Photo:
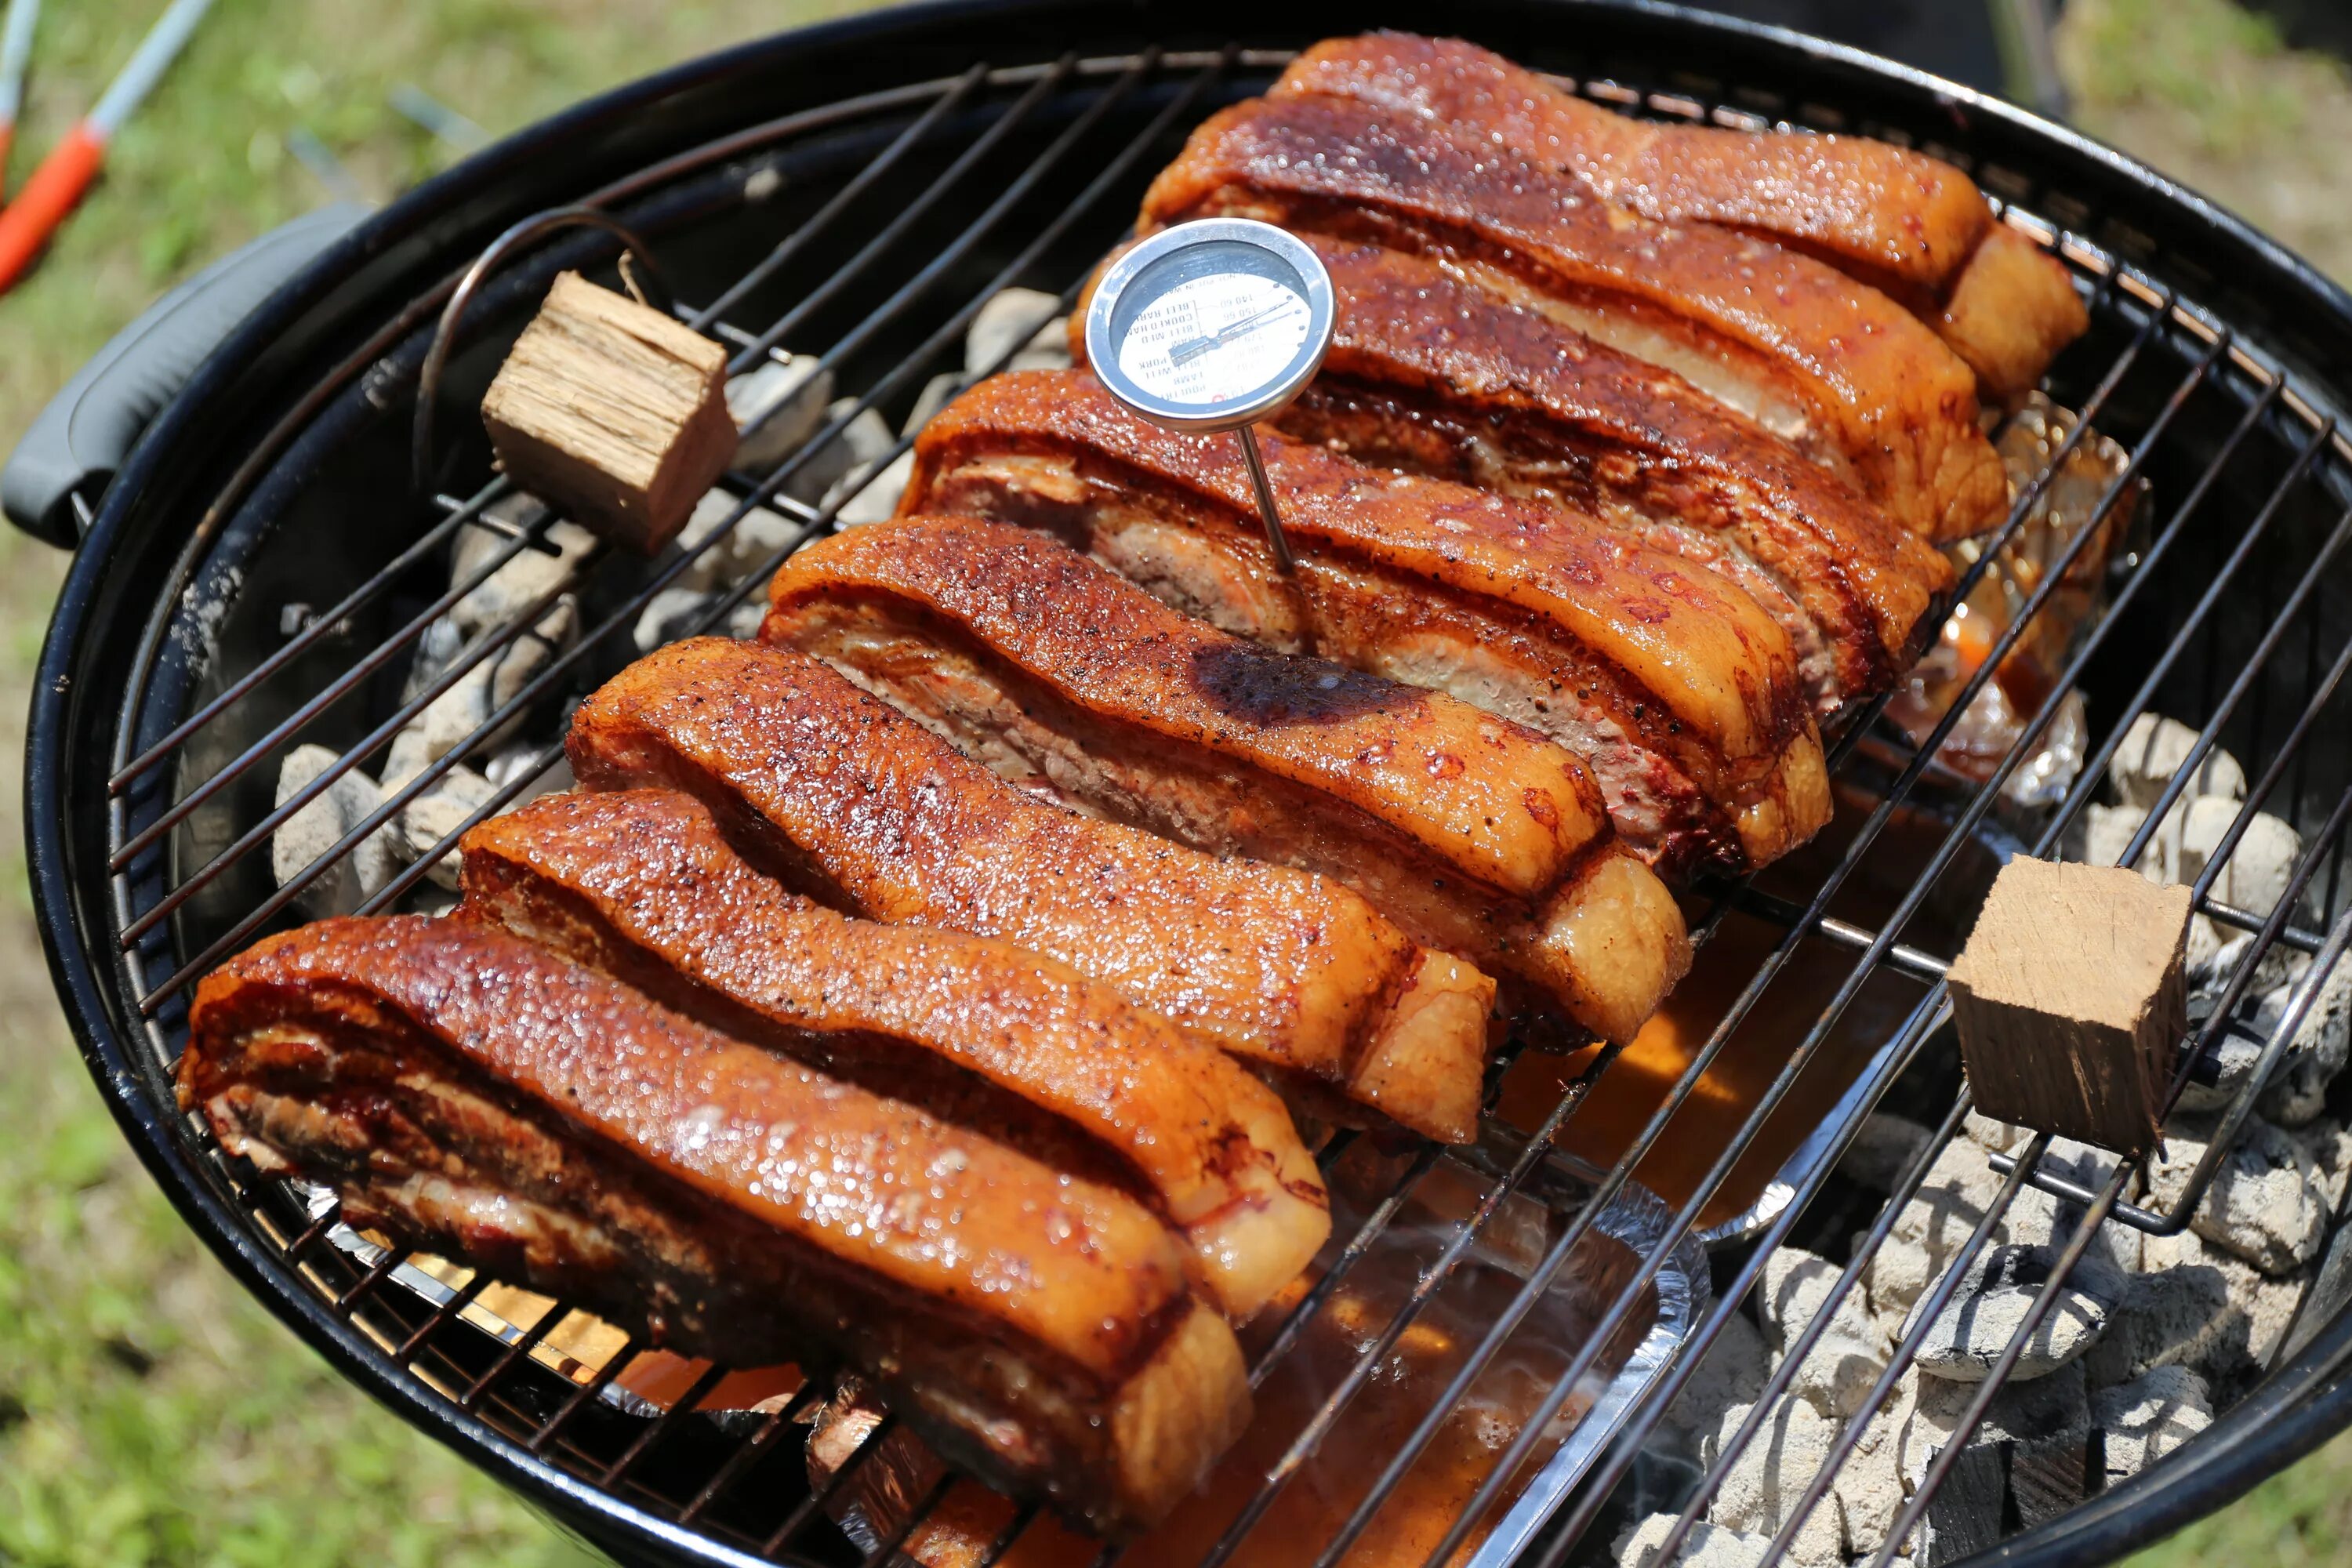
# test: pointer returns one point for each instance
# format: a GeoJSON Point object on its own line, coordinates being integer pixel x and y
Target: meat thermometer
{"type": "Point", "coordinates": [1212, 326]}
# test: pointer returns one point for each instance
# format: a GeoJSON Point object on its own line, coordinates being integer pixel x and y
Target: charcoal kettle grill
{"type": "Point", "coordinates": [260, 568]}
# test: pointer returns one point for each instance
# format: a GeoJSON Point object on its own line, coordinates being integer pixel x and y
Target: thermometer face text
{"type": "Point", "coordinates": [1207, 326]}
{"type": "Point", "coordinates": [1211, 339]}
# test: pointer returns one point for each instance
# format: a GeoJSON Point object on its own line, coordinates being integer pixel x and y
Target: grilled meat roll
{"type": "Point", "coordinates": [1428, 373]}
{"type": "Point", "coordinates": [469, 1092]}
{"type": "Point", "coordinates": [1900, 221]}
{"type": "Point", "coordinates": [1833, 364]}
{"type": "Point", "coordinates": [1474, 834]}
{"type": "Point", "coordinates": [983, 1034]}
{"type": "Point", "coordinates": [853, 803]}
{"type": "Point", "coordinates": [1679, 694]}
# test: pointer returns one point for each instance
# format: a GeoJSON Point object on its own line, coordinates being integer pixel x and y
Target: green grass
{"type": "Point", "coordinates": [150, 1412]}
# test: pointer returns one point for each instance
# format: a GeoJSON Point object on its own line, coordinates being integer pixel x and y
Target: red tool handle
{"type": "Point", "coordinates": [7, 135]}
{"type": "Point", "coordinates": [27, 223]}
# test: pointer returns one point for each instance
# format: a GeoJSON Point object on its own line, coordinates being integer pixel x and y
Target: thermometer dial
{"type": "Point", "coordinates": [1212, 326]}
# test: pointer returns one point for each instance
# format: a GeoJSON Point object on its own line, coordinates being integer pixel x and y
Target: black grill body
{"type": "Point", "coordinates": [279, 477]}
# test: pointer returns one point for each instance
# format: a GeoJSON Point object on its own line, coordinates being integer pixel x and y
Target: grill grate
{"type": "Point", "coordinates": [2221, 431]}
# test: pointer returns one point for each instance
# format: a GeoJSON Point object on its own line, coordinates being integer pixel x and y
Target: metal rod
{"type": "Point", "coordinates": [1268, 513]}
{"type": "Point", "coordinates": [1879, 948]}
{"type": "Point", "coordinates": [823, 218]}
{"type": "Point", "coordinates": [1792, 1360]}
{"type": "Point", "coordinates": [2045, 1300]}
{"type": "Point", "coordinates": [436, 353]}
{"type": "Point", "coordinates": [747, 1453]}
{"type": "Point", "coordinates": [1498, 1473]}
{"type": "Point", "coordinates": [625, 614]}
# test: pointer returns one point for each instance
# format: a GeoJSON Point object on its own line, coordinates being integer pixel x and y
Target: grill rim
{"type": "Point", "coordinates": [2297, 1407]}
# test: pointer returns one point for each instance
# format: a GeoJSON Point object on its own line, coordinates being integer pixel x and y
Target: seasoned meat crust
{"type": "Point", "coordinates": [1678, 693]}
{"type": "Point", "coordinates": [1428, 373]}
{"type": "Point", "coordinates": [855, 803]}
{"type": "Point", "coordinates": [1474, 834]}
{"type": "Point", "coordinates": [1833, 364]}
{"type": "Point", "coordinates": [1910, 225]}
{"type": "Point", "coordinates": [469, 1092]}
{"type": "Point", "coordinates": [640, 884]}
{"type": "Point", "coordinates": [1896, 211]}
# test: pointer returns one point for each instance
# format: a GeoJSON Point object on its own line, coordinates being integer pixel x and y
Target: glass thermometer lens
{"type": "Point", "coordinates": [1211, 338]}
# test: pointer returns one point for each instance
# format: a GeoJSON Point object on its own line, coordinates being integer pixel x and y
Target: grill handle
{"type": "Point", "coordinates": [71, 450]}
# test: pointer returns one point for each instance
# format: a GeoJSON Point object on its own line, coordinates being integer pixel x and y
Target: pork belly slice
{"type": "Point", "coordinates": [1834, 365]}
{"type": "Point", "coordinates": [1903, 222]}
{"type": "Point", "coordinates": [854, 804]}
{"type": "Point", "coordinates": [981, 1034]}
{"type": "Point", "coordinates": [1429, 374]}
{"type": "Point", "coordinates": [471, 1092]}
{"type": "Point", "coordinates": [1679, 694]}
{"type": "Point", "coordinates": [1474, 834]}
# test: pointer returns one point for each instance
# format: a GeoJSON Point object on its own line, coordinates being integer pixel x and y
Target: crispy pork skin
{"type": "Point", "coordinates": [855, 803]}
{"type": "Point", "coordinates": [1901, 221]}
{"type": "Point", "coordinates": [472, 1093]}
{"type": "Point", "coordinates": [2010, 312]}
{"type": "Point", "coordinates": [1833, 364]}
{"type": "Point", "coordinates": [1680, 695]}
{"type": "Point", "coordinates": [1429, 374]}
{"type": "Point", "coordinates": [640, 884]}
{"type": "Point", "coordinates": [1474, 834]}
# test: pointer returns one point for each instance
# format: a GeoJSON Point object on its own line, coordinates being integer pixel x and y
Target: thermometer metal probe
{"type": "Point", "coordinates": [1210, 327]}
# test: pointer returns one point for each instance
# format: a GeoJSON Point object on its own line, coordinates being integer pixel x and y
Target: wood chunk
{"type": "Point", "coordinates": [613, 412]}
{"type": "Point", "coordinates": [2070, 1002]}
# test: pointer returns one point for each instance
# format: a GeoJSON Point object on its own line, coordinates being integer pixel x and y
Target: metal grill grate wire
{"type": "Point", "coordinates": [434, 1338]}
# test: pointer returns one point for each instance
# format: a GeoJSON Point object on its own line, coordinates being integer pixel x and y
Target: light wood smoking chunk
{"type": "Point", "coordinates": [2070, 1002]}
{"type": "Point", "coordinates": [613, 412]}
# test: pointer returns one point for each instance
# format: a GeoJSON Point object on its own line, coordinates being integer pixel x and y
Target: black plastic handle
{"type": "Point", "coordinates": [73, 447]}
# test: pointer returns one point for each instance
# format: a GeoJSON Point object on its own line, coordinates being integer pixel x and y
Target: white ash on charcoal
{"type": "Point", "coordinates": [2297, 1091]}
{"type": "Point", "coordinates": [1960, 1187]}
{"type": "Point", "coordinates": [2139, 1422]}
{"type": "Point", "coordinates": [1869, 1486]}
{"type": "Point", "coordinates": [437, 813]}
{"type": "Point", "coordinates": [2197, 1306]}
{"type": "Point", "coordinates": [1838, 1371]}
{"type": "Point", "coordinates": [754, 540]}
{"type": "Point", "coordinates": [777, 405]}
{"type": "Point", "coordinates": [1706, 1546]}
{"type": "Point", "coordinates": [314, 830]}
{"type": "Point", "coordinates": [676, 613]}
{"type": "Point", "coordinates": [863, 499]}
{"type": "Point", "coordinates": [453, 719]}
{"type": "Point", "coordinates": [1999, 1137]}
{"type": "Point", "coordinates": [1767, 1477]}
{"type": "Point", "coordinates": [1998, 1291]}
{"type": "Point", "coordinates": [670, 616]}
{"type": "Point", "coordinates": [1733, 1373]}
{"type": "Point", "coordinates": [869, 491]}
{"type": "Point", "coordinates": [514, 761]}
{"type": "Point", "coordinates": [937, 393]}
{"type": "Point", "coordinates": [2153, 749]}
{"type": "Point", "coordinates": [1000, 324]}
{"type": "Point", "coordinates": [2267, 1202]}
{"type": "Point", "coordinates": [1882, 1148]}
{"type": "Point", "coordinates": [521, 581]}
